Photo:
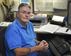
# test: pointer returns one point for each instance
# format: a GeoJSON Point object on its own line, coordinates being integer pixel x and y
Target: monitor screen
{"type": "Point", "coordinates": [69, 15]}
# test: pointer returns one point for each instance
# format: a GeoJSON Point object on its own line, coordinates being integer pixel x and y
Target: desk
{"type": "Point", "coordinates": [63, 34]}
{"type": "Point", "coordinates": [41, 35]}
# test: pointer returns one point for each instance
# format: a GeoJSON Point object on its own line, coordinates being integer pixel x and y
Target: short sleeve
{"type": "Point", "coordinates": [12, 38]}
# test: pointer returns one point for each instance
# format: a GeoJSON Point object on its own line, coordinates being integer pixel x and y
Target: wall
{"type": "Point", "coordinates": [60, 7]}
{"type": "Point", "coordinates": [17, 2]}
{"type": "Point", "coordinates": [1, 13]}
{"type": "Point", "coordinates": [44, 5]}
{"type": "Point", "coordinates": [0, 1]}
{"type": "Point", "coordinates": [60, 4]}
{"type": "Point", "coordinates": [8, 2]}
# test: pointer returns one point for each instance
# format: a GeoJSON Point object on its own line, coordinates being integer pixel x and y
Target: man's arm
{"type": "Point", "coordinates": [26, 51]}
{"type": "Point", "coordinates": [21, 51]}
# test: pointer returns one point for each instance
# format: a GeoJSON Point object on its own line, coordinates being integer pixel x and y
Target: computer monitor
{"type": "Point", "coordinates": [69, 15]}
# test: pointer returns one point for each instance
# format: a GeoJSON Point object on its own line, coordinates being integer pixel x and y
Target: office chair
{"type": "Point", "coordinates": [2, 46]}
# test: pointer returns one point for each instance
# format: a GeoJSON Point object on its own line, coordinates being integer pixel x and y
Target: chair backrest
{"type": "Point", "coordinates": [2, 46]}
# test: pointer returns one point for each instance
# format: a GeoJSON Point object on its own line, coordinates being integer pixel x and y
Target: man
{"type": "Point", "coordinates": [20, 36]}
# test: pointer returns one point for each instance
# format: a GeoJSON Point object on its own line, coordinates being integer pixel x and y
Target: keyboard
{"type": "Point", "coordinates": [61, 45]}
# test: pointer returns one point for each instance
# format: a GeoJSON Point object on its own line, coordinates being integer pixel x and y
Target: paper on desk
{"type": "Point", "coordinates": [58, 18]}
{"type": "Point", "coordinates": [63, 30]}
{"type": "Point", "coordinates": [69, 31]}
{"type": "Point", "coordinates": [5, 23]}
{"type": "Point", "coordinates": [49, 28]}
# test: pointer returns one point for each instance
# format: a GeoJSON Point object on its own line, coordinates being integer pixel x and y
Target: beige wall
{"type": "Point", "coordinates": [1, 1]}
{"type": "Point", "coordinates": [60, 4]}
{"type": "Point", "coordinates": [8, 3]}
{"type": "Point", "coordinates": [1, 13]}
{"type": "Point", "coordinates": [15, 7]}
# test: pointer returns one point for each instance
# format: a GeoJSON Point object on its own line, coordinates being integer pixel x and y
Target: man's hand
{"type": "Point", "coordinates": [46, 45]}
{"type": "Point", "coordinates": [43, 45]}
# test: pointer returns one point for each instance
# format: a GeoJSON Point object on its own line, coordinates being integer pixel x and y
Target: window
{"type": "Point", "coordinates": [43, 5]}
{"type": "Point", "coordinates": [24, 1]}
{"type": "Point", "coordinates": [49, 5]}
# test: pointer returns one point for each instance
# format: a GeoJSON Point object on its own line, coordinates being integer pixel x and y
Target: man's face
{"type": "Point", "coordinates": [24, 14]}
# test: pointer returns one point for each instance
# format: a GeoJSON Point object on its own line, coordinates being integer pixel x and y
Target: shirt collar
{"type": "Point", "coordinates": [19, 24]}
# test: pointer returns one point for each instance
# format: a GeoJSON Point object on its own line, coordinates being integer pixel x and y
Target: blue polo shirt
{"type": "Point", "coordinates": [18, 36]}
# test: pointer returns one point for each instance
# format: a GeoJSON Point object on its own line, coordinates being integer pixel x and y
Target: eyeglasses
{"type": "Point", "coordinates": [25, 12]}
